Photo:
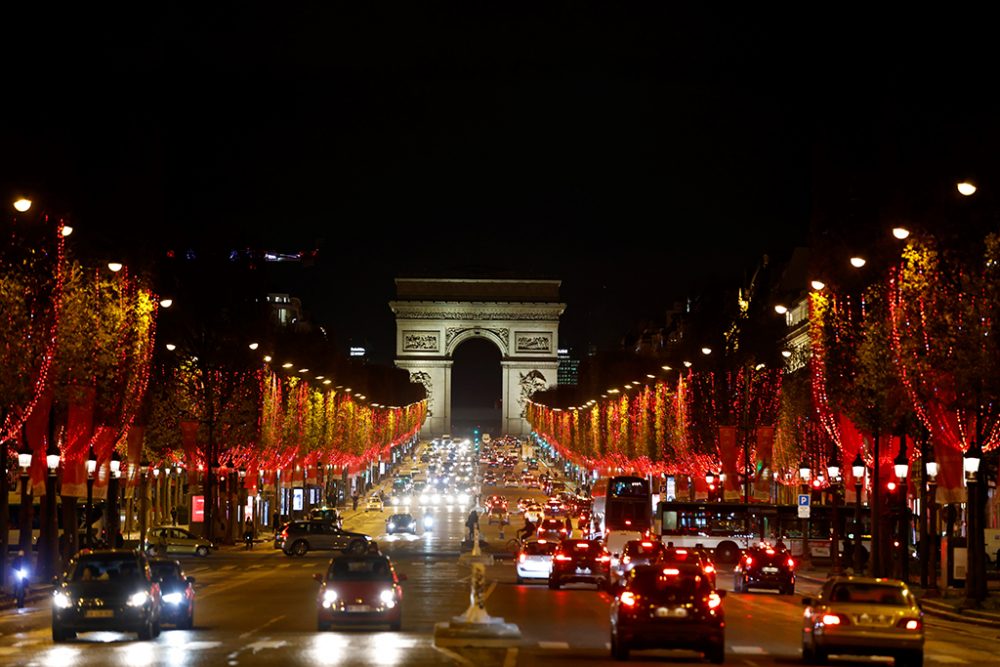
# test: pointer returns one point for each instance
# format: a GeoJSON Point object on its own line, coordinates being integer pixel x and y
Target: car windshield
{"type": "Point", "coordinates": [165, 571]}
{"type": "Point", "coordinates": [869, 594]}
{"type": "Point", "coordinates": [659, 581]}
{"type": "Point", "coordinates": [401, 518]}
{"type": "Point", "coordinates": [359, 569]}
{"type": "Point", "coordinates": [104, 568]}
{"type": "Point", "coordinates": [539, 548]}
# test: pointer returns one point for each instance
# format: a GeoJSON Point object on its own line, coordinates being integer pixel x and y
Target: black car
{"type": "Point", "coordinates": [586, 561]}
{"type": "Point", "coordinates": [401, 523]}
{"type": "Point", "coordinates": [300, 537]}
{"type": "Point", "coordinates": [765, 566]}
{"type": "Point", "coordinates": [176, 593]}
{"type": "Point", "coordinates": [111, 589]}
{"type": "Point", "coordinates": [668, 607]}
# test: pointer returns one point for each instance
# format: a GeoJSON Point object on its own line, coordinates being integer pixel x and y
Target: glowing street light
{"type": "Point", "coordinates": [171, 347]}
{"type": "Point", "coordinates": [786, 353]}
{"type": "Point", "coordinates": [166, 303]}
{"type": "Point", "coordinates": [706, 351]}
{"type": "Point", "coordinates": [666, 368]}
{"type": "Point", "coordinates": [858, 262]}
{"type": "Point", "coordinates": [817, 285]}
{"type": "Point", "coordinates": [966, 188]}
{"type": "Point", "coordinates": [115, 267]}
{"type": "Point", "coordinates": [253, 346]}
{"type": "Point", "coordinates": [687, 364]}
{"type": "Point", "coordinates": [900, 232]}
{"type": "Point", "coordinates": [22, 204]}
{"type": "Point", "coordinates": [66, 230]}
{"type": "Point", "coordinates": [287, 364]}
{"type": "Point", "coordinates": [267, 358]}
{"type": "Point", "coordinates": [781, 309]}
{"type": "Point", "coordinates": [303, 370]}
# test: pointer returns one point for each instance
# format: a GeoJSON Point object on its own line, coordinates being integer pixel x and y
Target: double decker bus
{"type": "Point", "coordinates": [622, 510]}
{"type": "Point", "coordinates": [729, 527]}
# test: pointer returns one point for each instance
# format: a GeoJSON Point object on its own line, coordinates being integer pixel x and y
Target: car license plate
{"type": "Point", "coordinates": [770, 570]}
{"type": "Point", "coordinates": [666, 612]}
{"type": "Point", "coordinates": [583, 570]}
{"type": "Point", "coordinates": [100, 613]}
{"type": "Point", "coordinates": [358, 608]}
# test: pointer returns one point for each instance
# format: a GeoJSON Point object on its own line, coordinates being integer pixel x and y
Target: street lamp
{"type": "Point", "coordinates": [858, 470]}
{"type": "Point", "coordinates": [113, 516]}
{"type": "Point", "coordinates": [901, 466]}
{"type": "Point", "coordinates": [975, 571]}
{"type": "Point", "coordinates": [143, 501]}
{"type": "Point", "coordinates": [89, 511]}
{"type": "Point", "coordinates": [24, 460]}
{"type": "Point", "coordinates": [833, 470]}
{"type": "Point", "coordinates": [930, 551]}
{"type": "Point", "coordinates": [50, 544]}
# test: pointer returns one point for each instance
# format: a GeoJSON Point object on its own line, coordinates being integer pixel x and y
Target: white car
{"type": "Point", "coordinates": [534, 560]}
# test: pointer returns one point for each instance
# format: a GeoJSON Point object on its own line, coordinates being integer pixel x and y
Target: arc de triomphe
{"type": "Point", "coordinates": [520, 317]}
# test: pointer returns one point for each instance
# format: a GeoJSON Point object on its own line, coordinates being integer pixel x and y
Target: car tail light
{"type": "Point", "coordinates": [627, 598]}
{"type": "Point", "coordinates": [542, 541]}
{"type": "Point", "coordinates": [709, 569]}
{"type": "Point", "coordinates": [521, 557]}
{"type": "Point", "coordinates": [671, 571]}
{"type": "Point", "coordinates": [648, 545]}
{"type": "Point", "coordinates": [582, 545]}
{"type": "Point", "coordinates": [834, 619]}
{"type": "Point", "coordinates": [714, 600]}
{"type": "Point", "coordinates": [910, 624]}
{"type": "Point", "coordinates": [628, 522]}
{"type": "Point", "coordinates": [791, 562]}
{"type": "Point", "coordinates": [606, 558]}
{"type": "Point", "coordinates": [770, 552]}
{"type": "Point", "coordinates": [749, 560]}
{"type": "Point", "coordinates": [562, 557]}
{"type": "Point", "coordinates": [626, 559]}
{"type": "Point", "coordinates": [681, 552]}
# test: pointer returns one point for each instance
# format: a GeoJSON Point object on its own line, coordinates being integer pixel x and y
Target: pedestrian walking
{"type": "Point", "coordinates": [248, 533]}
{"type": "Point", "coordinates": [472, 523]}
{"type": "Point", "coordinates": [354, 500]}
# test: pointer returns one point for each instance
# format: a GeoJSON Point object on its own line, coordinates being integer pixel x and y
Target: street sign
{"type": "Point", "coordinates": [804, 499]}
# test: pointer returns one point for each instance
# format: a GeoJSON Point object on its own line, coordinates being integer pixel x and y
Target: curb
{"type": "Point", "coordinates": [972, 616]}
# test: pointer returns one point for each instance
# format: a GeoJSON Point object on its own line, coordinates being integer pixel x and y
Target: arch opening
{"type": "Point", "coordinates": [476, 387]}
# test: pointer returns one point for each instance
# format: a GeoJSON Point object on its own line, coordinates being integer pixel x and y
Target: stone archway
{"type": "Point", "coordinates": [520, 317]}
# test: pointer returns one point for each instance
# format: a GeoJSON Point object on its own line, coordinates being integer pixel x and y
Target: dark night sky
{"type": "Point", "coordinates": [639, 157]}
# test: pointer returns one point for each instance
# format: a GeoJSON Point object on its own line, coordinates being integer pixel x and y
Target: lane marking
{"type": "Point", "coordinates": [228, 567]}
{"type": "Point", "coordinates": [948, 659]}
{"type": "Point", "coordinates": [258, 629]}
{"type": "Point", "coordinates": [748, 650]}
{"type": "Point", "coordinates": [558, 646]}
{"type": "Point", "coordinates": [462, 660]}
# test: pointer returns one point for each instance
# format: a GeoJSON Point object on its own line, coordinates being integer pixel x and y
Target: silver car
{"type": "Point", "coordinates": [863, 616]}
{"type": "Point", "coordinates": [300, 537]}
{"type": "Point", "coordinates": [173, 540]}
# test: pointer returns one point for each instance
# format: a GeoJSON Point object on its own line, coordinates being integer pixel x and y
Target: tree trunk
{"type": "Point", "coordinates": [876, 512]}
{"type": "Point", "coordinates": [70, 522]}
{"type": "Point", "coordinates": [4, 508]}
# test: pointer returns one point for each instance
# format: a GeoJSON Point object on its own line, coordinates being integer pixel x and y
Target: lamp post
{"type": "Point", "coordinates": [858, 470]}
{"type": "Point", "coordinates": [804, 474]}
{"type": "Point", "coordinates": [24, 461]}
{"type": "Point", "coordinates": [901, 466]}
{"type": "Point", "coordinates": [143, 502]}
{"type": "Point", "coordinates": [89, 509]}
{"type": "Point", "coordinates": [833, 470]}
{"type": "Point", "coordinates": [974, 579]}
{"type": "Point", "coordinates": [931, 551]}
{"type": "Point", "coordinates": [113, 515]}
{"type": "Point", "coordinates": [48, 566]}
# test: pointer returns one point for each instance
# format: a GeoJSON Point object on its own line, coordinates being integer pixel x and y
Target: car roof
{"type": "Point", "coordinates": [873, 581]}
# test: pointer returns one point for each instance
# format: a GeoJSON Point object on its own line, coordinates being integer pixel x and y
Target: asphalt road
{"type": "Point", "coordinates": [258, 608]}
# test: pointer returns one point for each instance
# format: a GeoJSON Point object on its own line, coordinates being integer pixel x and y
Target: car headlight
{"type": "Point", "coordinates": [173, 598]}
{"type": "Point", "coordinates": [423, 498]}
{"type": "Point", "coordinates": [406, 500]}
{"type": "Point", "coordinates": [392, 525]}
{"type": "Point", "coordinates": [329, 597]}
{"type": "Point", "coordinates": [138, 599]}
{"type": "Point", "coordinates": [61, 600]}
{"type": "Point", "coordinates": [463, 498]}
{"type": "Point", "coordinates": [437, 498]}
{"type": "Point", "coordinates": [388, 598]}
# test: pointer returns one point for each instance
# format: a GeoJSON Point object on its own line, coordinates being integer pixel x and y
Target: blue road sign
{"type": "Point", "coordinates": [804, 499]}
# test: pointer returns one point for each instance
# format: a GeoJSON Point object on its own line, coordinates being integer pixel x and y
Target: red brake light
{"type": "Point", "coordinates": [714, 600]}
{"type": "Point", "coordinates": [582, 545]}
{"type": "Point", "coordinates": [681, 552]}
{"type": "Point", "coordinates": [671, 571]}
{"type": "Point", "coordinates": [831, 619]}
{"type": "Point", "coordinates": [749, 560]}
{"type": "Point", "coordinates": [909, 623]}
{"type": "Point", "coordinates": [605, 558]}
{"type": "Point", "coordinates": [628, 522]}
{"type": "Point", "coordinates": [770, 552]}
{"type": "Point", "coordinates": [626, 559]}
{"type": "Point", "coordinates": [521, 557]}
{"type": "Point", "coordinates": [627, 598]}
{"type": "Point", "coordinates": [542, 541]}
{"type": "Point", "coordinates": [647, 544]}
{"type": "Point", "coordinates": [709, 569]}
{"type": "Point", "coordinates": [791, 562]}
{"type": "Point", "coordinates": [562, 557]}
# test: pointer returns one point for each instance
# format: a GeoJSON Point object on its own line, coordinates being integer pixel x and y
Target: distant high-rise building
{"type": "Point", "coordinates": [568, 372]}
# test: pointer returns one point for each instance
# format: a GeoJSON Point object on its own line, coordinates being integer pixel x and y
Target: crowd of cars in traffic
{"type": "Point", "coordinates": [661, 596]}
